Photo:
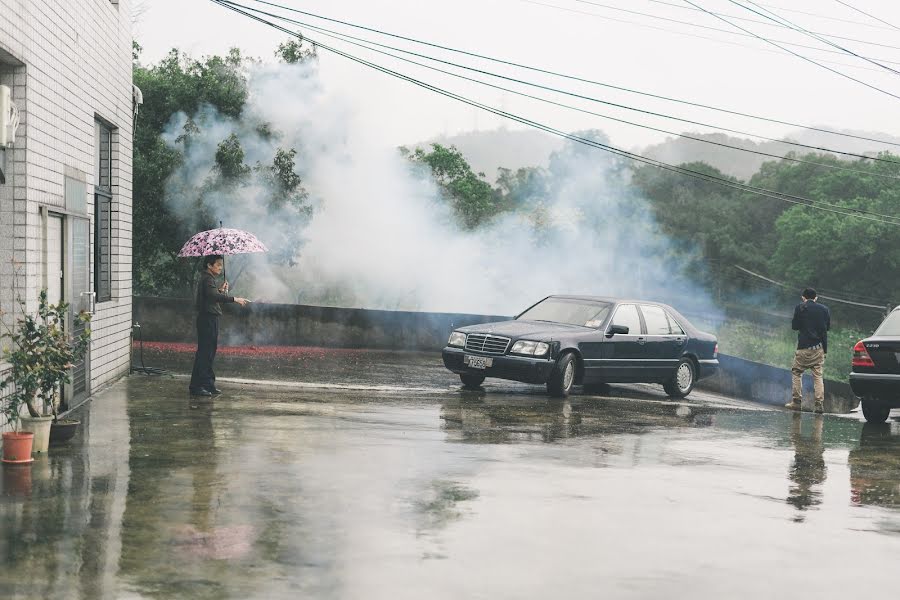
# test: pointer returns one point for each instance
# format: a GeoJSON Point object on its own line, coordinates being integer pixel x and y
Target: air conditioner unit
{"type": "Point", "coordinates": [9, 117]}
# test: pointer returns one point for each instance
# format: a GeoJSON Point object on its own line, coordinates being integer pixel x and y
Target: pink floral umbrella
{"type": "Point", "coordinates": [222, 241]}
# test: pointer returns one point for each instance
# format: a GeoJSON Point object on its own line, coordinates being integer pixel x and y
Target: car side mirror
{"type": "Point", "coordinates": [614, 329]}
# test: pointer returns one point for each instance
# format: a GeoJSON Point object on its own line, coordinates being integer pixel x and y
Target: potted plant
{"type": "Point", "coordinates": [41, 355]}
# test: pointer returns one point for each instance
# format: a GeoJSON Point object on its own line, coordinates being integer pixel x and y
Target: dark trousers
{"type": "Point", "coordinates": [203, 377]}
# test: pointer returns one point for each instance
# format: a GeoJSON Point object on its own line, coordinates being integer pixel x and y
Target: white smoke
{"type": "Point", "coordinates": [381, 237]}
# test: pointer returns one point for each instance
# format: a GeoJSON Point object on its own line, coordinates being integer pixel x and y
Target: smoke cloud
{"type": "Point", "coordinates": [380, 236]}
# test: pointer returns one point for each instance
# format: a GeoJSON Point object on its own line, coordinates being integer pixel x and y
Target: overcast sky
{"type": "Point", "coordinates": [589, 39]}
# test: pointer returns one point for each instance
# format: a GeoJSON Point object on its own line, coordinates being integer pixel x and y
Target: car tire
{"type": "Point", "coordinates": [563, 377]}
{"type": "Point", "coordinates": [875, 410]}
{"type": "Point", "coordinates": [683, 379]}
{"type": "Point", "coordinates": [471, 381]}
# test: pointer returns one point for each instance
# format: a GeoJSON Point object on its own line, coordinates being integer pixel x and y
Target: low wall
{"type": "Point", "coordinates": [172, 320]}
{"type": "Point", "coordinates": [748, 380]}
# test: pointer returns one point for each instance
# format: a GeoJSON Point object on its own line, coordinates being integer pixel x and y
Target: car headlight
{"type": "Point", "coordinates": [457, 338]}
{"type": "Point", "coordinates": [530, 348]}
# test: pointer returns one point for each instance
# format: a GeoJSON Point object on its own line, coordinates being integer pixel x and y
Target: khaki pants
{"type": "Point", "coordinates": [812, 360]}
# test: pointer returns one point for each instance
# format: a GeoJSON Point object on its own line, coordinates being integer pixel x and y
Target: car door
{"type": "Point", "coordinates": [663, 348]}
{"type": "Point", "coordinates": [624, 353]}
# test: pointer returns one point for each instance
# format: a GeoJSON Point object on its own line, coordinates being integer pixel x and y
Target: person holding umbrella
{"type": "Point", "coordinates": [212, 245]}
{"type": "Point", "coordinates": [208, 304]}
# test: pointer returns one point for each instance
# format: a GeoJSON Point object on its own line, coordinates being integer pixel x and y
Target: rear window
{"type": "Point", "coordinates": [655, 318]}
{"type": "Point", "coordinates": [890, 326]}
{"type": "Point", "coordinates": [571, 312]}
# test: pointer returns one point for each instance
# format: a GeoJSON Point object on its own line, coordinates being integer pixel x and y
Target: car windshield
{"type": "Point", "coordinates": [890, 326]}
{"type": "Point", "coordinates": [585, 313]}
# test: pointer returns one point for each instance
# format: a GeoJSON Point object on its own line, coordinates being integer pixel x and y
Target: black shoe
{"type": "Point", "coordinates": [214, 391]}
{"type": "Point", "coordinates": [200, 393]}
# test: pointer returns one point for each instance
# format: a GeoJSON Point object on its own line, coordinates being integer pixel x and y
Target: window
{"type": "Point", "coordinates": [674, 326]}
{"type": "Point", "coordinates": [564, 310]}
{"type": "Point", "coordinates": [890, 326]}
{"type": "Point", "coordinates": [103, 212]}
{"type": "Point", "coordinates": [627, 315]}
{"type": "Point", "coordinates": [655, 318]}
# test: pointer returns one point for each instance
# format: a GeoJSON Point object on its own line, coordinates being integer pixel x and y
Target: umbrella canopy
{"type": "Point", "coordinates": [222, 241]}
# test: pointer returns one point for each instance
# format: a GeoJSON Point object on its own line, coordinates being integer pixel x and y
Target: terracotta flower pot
{"type": "Point", "coordinates": [17, 447]}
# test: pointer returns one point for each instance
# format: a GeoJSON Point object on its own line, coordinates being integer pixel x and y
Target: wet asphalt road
{"type": "Point", "coordinates": [373, 475]}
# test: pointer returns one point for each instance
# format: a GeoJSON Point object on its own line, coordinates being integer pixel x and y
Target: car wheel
{"type": "Point", "coordinates": [875, 410]}
{"type": "Point", "coordinates": [563, 377]}
{"type": "Point", "coordinates": [471, 381]}
{"type": "Point", "coordinates": [682, 381]}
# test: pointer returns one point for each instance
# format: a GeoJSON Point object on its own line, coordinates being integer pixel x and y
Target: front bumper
{"type": "Point", "coordinates": [881, 385]}
{"type": "Point", "coordinates": [516, 368]}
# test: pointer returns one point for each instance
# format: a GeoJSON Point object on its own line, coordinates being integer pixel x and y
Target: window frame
{"type": "Point", "coordinates": [637, 311]}
{"type": "Point", "coordinates": [647, 321]}
{"type": "Point", "coordinates": [104, 134]}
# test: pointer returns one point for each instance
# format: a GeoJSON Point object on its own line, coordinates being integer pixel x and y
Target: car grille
{"type": "Point", "coordinates": [487, 344]}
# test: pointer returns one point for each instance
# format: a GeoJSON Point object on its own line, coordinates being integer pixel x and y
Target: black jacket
{"type": "Point", "coordinates": [209, 296]}
{"type": "Point", "coordinates": [812, 322]}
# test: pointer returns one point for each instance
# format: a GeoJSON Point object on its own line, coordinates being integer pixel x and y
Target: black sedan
{"type": "Point", "coordinates": [875, 373]}
{"type": "Point", "coordinates": [566, 340]}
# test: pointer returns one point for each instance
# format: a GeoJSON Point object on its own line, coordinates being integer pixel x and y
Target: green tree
{"type": "Point", "coordinates": [473, 200]}
{"type": "Point", "coordinates": [293, 51]}
{"type": "Point", "coordinates": [181, 84]}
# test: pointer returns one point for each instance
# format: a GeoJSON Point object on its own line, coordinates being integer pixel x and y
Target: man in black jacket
{"type": "Point", "coordinates": [209, 309]}
{"type": "Point", "coordinates": [811, 322]}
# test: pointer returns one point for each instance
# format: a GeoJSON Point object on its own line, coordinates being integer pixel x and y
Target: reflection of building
{"type": "Point", "coordinates": [61, 518]}
{"type": "Point", "coordinates": [875, 466]}
{"type": "Point", "coordinates": [807, 472]}
{"type": "Point", "coordinates": [65, 189]}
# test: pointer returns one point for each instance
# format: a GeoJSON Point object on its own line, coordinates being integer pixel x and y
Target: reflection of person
{"type": "Point", "coordinates": [209, 309]}
{"type": "Point", "coordinates": [811, 322]}
{"type": "Point", "coordinates": [808, 469]}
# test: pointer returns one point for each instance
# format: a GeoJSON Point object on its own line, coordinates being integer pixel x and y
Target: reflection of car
{"type": "Point", "coordinates": [875, 467]}
{"type": "Point", "coordinates": [875, 374]}
{"type": "Point", "coordinates": [566, 340]}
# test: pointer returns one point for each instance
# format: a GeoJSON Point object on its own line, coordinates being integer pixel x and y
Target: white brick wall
{"type": "Point", "coordinates": [68, 62]}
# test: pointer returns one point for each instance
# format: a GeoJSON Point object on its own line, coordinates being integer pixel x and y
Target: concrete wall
{"type": "Point", "coordinates": [748, 380]}
{"type": "Point", "coordinates": [171, 320]}
{"type": "Point", "coordinates": [68, 63]}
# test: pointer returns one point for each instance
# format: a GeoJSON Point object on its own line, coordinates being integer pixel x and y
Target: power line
{"type": "Point", "coordinates": [833, 299]}
{"type": "Point", "coordinates": [611, 86]}
{"type": "Point", "coordinates": [701, 37]}
{"type": "Point", "coordinates": [790, 198]}
{"type": "Point", "coordinates": [345, 37]}
{"type": "Point", "coordinates": [807, 59]}
{"type": "Point", "coordinates": [779, 19]}
{"type": "Point", "coordinates": [729, 32]}
{"type": "Point", "coordinates": [871, 16]}
{"type": "Point", "coordinates": [860, 23]}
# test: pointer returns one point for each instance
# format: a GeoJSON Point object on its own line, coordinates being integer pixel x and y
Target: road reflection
{"type": "Point", "coordinates": [489, 420]}
{"type": "Point", "coordinates": [875, 466]}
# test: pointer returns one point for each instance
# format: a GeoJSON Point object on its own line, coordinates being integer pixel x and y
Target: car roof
{"type": "Point", "coordinates": [609, 299]}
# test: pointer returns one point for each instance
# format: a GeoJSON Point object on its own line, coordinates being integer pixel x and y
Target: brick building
{"type": "Point", "coordinates": [65, 196]}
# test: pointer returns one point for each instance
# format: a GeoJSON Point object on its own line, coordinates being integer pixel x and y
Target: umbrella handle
{"type": "Point", "coordinates": [224, 278]}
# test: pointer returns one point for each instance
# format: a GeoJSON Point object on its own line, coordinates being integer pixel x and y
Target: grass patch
{"type": "Point", "coordinates": [776, 347]}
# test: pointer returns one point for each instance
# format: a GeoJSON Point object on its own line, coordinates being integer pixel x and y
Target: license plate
{"type": "Point", "coordinates": [477, 362]}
